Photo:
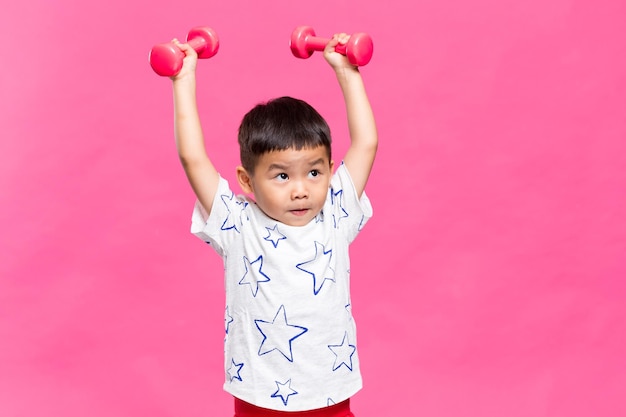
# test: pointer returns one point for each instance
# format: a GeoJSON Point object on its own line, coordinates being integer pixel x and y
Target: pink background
{"type": "Point", "coordinates": [491, 281]}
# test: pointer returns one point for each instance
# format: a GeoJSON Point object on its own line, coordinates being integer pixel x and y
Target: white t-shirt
{"type": "Point", "coordinates": [290, 337]}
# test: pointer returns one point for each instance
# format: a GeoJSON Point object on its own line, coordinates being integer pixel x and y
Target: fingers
{"type": "Point", "coordinates": [189, 61]}
{"type": "Point", "coordinates": [187, 50]}
{"type": "Point", "coordinates": [338, 38]}
{"type": "Point", "coordinates": [334, 52]}
{"type": "Point", "coordinates": [342, 38]}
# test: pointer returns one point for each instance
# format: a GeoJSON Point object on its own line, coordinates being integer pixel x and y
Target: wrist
{"type": "Point", "coordinates": [345, 74]}
{"type": "Point", "coordinates": [184, 77]}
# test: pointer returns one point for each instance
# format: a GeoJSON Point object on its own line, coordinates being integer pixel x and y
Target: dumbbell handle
{"type": "Point", "coordinates": [317, 43]}
{"type": "Point", "coordinates": [198, 44]}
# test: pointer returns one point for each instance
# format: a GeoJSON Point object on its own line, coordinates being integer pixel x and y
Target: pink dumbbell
{"type": "Point", "coordinates": [359, 48]}
{"type": "Point", "coordinates": [166, 59]}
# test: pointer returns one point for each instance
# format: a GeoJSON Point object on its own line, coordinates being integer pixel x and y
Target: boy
{"type": "Point", "coordinates": [290, 343]}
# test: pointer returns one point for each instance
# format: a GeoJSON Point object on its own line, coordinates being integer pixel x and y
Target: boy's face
{"type": "Point", "coordinates": [290, 186]}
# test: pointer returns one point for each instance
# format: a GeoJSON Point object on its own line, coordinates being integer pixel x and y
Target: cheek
{"type": "Point", "coordinates": [322, 192]}
{"type": "Point", "coordinates": [272, 196]}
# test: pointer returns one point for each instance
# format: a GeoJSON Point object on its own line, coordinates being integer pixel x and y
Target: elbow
{"type": "Point", "coordinates": [189, 162]}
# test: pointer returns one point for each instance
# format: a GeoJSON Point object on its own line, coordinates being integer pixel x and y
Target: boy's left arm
{"type": "Point", "coordinates": [363, 134]}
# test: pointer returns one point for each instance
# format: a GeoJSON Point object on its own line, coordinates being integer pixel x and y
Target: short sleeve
{"type": "Point", "coordinates": [220, 226]}
{"type": "Point", "coordinates": [349, 212]}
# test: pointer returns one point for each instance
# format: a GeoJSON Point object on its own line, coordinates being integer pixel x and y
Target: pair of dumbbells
{"type": "Point", "coordinates": [166, 59]}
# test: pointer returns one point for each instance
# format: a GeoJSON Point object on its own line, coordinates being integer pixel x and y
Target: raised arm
{"type": "Point", "coordinates": [363, 135]}
{"type": "Point", "coordinates": [199, 169]}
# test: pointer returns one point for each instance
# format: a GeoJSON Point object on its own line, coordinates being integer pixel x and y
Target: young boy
{"type": "Point", "coordinates": [290, 343]}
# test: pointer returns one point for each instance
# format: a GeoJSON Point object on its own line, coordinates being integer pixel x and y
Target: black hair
{"type": "Point", "coordinates": [280, 124]}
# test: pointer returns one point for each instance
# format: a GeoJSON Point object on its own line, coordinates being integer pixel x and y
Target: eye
{"type": "Point", "coordinates": [314, 173]}
{"type": "Point", "coordinates": [282, 177]}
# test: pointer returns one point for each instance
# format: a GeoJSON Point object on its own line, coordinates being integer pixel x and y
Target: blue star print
{"type": "Point", "coordinates": [337, 198]}
{"type": "Point", "coordinates": [343, 353]}
{"type": "Point", "coordinates": [361, 223]}
{"type": "Point", "coordinates": [274, 236]}
{"type": "Point", "coordinates": [234, 371]}
{"type": "Point", "coordinates": [319, 267]}
{"type": "Point", "coordinates": [284, 391]}
{"type": "Point", "coordinates": [349, 311]}
{"type": "Point", "coordinates": [231, 219]}
{"type": "Point", "coordinates": [254, 277]}
{"type": "Point", "coordinates": [242, 213]}
{"type": "Point", "coordinates": [227, 320]}
{"type": "Point", "coordinates": [279, 334]}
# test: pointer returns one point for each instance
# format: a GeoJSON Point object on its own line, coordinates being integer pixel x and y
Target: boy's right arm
{"type": "Point", "coordinates": [360, 156]}
{"type": "Point", "coordinates": [202, 175]}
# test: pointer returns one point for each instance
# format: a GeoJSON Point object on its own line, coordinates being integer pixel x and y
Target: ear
{"type": "Point", "coordinates": [332, 166]}
{"type": "Point", "coordinates": [245, 180]}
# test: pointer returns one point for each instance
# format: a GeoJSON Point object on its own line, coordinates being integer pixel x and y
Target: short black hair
{"type": "Point", "coordinates": [279, 124]}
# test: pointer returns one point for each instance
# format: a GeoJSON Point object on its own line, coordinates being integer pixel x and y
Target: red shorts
{"type": "Point", "coordinates": [244, 409]}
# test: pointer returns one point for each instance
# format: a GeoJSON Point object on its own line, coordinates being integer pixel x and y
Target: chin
{"type": "Point", "coordinates": [299, 221]}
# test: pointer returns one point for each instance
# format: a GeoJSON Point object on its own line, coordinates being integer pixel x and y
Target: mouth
{"type": "Point", "coordinates": [299, 212]}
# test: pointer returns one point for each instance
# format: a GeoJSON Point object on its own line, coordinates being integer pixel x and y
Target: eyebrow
{"type": "Point", "coordinates": [318, 162]}
{"type": "Point", "coordinates": [280, 167]}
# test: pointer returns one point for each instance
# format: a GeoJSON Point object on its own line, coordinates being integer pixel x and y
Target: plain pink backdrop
{"type": "Point", "coordinates": [491, 281]}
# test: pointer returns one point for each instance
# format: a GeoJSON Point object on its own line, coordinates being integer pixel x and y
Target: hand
{"type": "Point", "coordinates": [336, 60]}
{"type": "Point", "coordinates": [189, 62]}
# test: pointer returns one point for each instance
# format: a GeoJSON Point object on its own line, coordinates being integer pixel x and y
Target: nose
{"type": "Point", "coordinates": [299, 190]}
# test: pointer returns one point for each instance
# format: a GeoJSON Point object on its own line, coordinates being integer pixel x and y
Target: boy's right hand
{"type": "Point", "coordinates": [189, 62]}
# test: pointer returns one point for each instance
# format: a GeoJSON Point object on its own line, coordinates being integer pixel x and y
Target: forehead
{"type": "Point", "coordinates": [294, 158]}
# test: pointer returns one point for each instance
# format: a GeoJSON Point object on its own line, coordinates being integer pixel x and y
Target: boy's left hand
{"type": "Point", "coordinates": [335, 59]}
